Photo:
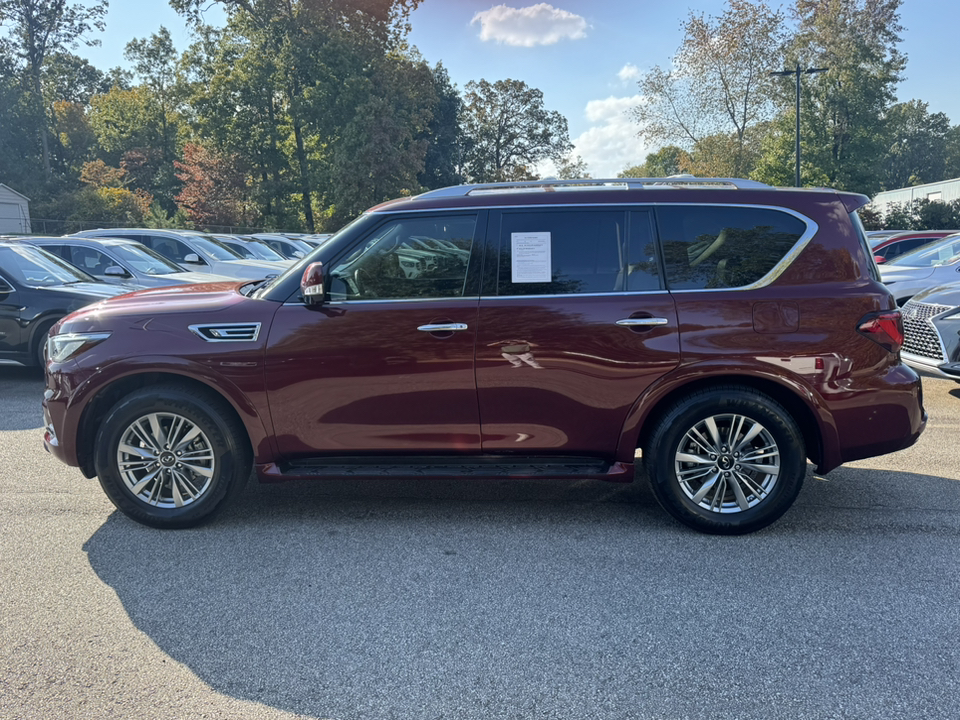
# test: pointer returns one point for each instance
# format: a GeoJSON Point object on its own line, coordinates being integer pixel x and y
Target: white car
{"type": "Point", "coordinates": [926, 267]}
{"type": "Point", "coordinates": [200, 253]}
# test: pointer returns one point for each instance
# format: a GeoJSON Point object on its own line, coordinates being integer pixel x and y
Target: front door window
{"type": "Point", "coordinates": [408, 258]}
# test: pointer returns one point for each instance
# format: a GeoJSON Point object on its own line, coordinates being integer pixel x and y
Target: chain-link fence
{"type": "Point", "coordinates": [46, 226]}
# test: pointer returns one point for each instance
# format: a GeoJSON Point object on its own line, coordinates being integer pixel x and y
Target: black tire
{"type": "Point", "coordinates": [719, 486]}
{"type": "Point", "coordinates": [38, 351]}
{"type": "Point", "coordinates": [149, 482]}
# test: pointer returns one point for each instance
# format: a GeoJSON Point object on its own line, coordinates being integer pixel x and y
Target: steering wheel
{"type": "Point", "coordinates": [710, 249]}
{"type": "Point", "coordinates": [361, 280]}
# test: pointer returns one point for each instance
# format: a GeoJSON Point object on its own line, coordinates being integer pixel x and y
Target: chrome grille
{"type": "Point", "coordinates": [228, 332]}
{"type": "Point", "coordinates": [920, 335]}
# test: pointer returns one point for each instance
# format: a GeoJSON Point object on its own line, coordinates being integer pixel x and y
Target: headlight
{"type": "Point", "coordinates": [61, 347]}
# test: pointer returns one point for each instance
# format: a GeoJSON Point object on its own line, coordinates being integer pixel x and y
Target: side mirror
{"type": "Point", "coordinates": [311, 284]}
{"type": "Point", "coordinates": [298, 254]}
{"type": "Point", "coordinates": [193, 259]}
{"type": "Point", "coordinates": [116, 271]}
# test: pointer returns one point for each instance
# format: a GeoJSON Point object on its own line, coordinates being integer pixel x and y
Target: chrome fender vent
{"type": "Point", "coordinates": [228, 332]}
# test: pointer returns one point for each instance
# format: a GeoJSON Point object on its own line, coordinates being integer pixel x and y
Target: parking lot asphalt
{"type": "Point", "coordinates": [472, 599]}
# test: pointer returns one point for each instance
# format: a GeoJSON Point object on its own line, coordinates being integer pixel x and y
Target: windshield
{"type": "Point", "coordinates": [264, 251]}
{"type": "Point", "coordinates": [297, 269]}
{"type": "Point", "coordinates": [145, 260]}
{"type": "Point", "coordinates": [34, 267]}
{"type": "Point", "coordinates": [944, 252]}
{"type": "Point", "coordinates": [214, 248]}
{"type": "Point", "coordinates": [240, 249]}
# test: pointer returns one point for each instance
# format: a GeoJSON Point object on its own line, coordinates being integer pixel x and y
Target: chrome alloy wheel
{"type": "Point", "coordinates": [727, 463]}
{"type": "Point", "coordinates": [165, 460]}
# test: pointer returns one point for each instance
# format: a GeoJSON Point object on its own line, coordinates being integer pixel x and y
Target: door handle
{"type": "Point", "coordinates": [642, 322]}
{"type": "Point", "coordinates": [443, 327]}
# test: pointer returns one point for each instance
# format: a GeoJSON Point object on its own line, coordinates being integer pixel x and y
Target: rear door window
{"type": "Point", "coordinates": [576, 251]}
{"type": "Point", "coordinates": [715, 247]}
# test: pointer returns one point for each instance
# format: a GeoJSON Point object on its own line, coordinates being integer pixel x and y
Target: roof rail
{"type": "Point", "coordinates": [592, 184]}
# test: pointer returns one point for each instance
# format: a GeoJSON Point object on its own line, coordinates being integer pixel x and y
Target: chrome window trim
{"type": "Point", "coordinates": [473, 298]}
{"type": "Point", "coordinates": [812, 228]}
{"type": "Point", "coordinates": [618, 293]}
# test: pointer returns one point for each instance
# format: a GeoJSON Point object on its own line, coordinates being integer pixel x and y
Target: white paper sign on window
{"type": "Point", "coordinates": [531, 257]}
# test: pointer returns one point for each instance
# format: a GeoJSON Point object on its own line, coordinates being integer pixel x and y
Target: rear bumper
{"type": "Point", "coordinates": [882, 417]}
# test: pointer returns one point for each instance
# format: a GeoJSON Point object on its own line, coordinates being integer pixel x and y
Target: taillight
{"type": "Point", "coordinates": [884, 328]}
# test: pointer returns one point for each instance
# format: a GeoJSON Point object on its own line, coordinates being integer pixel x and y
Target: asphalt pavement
{"type": "Point", "coordinates": [480, 599]}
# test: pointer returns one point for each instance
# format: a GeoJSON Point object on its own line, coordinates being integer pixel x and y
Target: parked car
{"type": "Point", "coordinates": [36, 290]}
{"type": "Point", "coordinates": [937, 263]}
{"type": "Point", "coordinates": [896, 245]}
{"type": "Point", "coordinates": [875, 237]}
{"type": "Point", "coordinates": [121, 262]}
{"type": "Point", "coordinates": [316, 240]}
{"type": "Point", "coordinates": [727, 330]}
{"type": "Point", "coordinates": [290, 248]}
{"type": "Point", "coordinates": [253, 249]}
{"type": "Point", "coordinates": [201, 253]}
{"type": "Point", "coordinates": [931, 325]}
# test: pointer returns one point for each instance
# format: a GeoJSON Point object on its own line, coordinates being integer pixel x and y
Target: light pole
{"type": "Point", "coordinates": [798, 72]}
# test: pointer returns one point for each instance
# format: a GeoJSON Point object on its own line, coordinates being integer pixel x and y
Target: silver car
{"type": "Point", "coordinates": [937, 263]}
{"type": "Point", "coordinates": [253, 249]}
{"type": "Point", "coordinates": [118, 261]}
{"type": "Point", "coordinates": [201, 253]}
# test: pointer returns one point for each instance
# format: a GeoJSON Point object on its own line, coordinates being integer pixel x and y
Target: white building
{"type": "Point", "coordinates": [14, 211]}
{"type": "Point", "coordinates": [945, 191]}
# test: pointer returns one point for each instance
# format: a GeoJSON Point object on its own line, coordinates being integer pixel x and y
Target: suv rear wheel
{"type": "Point", "coordinates": [728, 460]}
{"type": "Point", "coordinates": [170, 456]}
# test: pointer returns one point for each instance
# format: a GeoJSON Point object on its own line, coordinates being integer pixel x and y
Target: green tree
{"type": "Point", "coordinates": [572, 167]}
{"type": "Point", "coordinates": [313, 48]}
{"type": "Point", "coordinates": [155, 61]}
{"type": "Point", "coordinates": [443, 162]}
{"type": "Point", "coordinates": [39, 28]}
{"type": "Point", "coordinates": [380, 153]}
{"type": "Point", "coordinates": [917, 151]}
{"type": "Point", "coordinates": [843, 109]}
{"type": "Point", "coordinates": [952, 153]}
{"type": "Point", "coordinates": [718, 87]}
{"type": "Point", "coordinates": [508, 131]}
{"type": "Point", "coordinates": [667, 161]}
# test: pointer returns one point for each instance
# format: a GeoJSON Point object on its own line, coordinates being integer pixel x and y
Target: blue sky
{"type": "Point", "coordinates": [583, 54]}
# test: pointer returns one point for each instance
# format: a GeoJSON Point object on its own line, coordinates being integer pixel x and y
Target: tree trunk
{"type": "Point", "coordinates": [304, 177]}
{"type": "Point", "coordinates": [42, 119]}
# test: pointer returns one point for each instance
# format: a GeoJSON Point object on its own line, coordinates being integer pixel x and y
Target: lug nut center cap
{"type": "Point", "coordinates": [168, 459]}
{"type": "Point", "coordinates": [725, 462]}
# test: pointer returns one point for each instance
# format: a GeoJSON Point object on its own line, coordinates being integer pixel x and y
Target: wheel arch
{"type": "Point", "coordinates": [106, 397]}
{"type": "Point", "coordinates": [39, 329]}
{"type": "Point", "coordinates": [814, 424]}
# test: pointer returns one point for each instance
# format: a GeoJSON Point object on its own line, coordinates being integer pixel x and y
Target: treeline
{"type": "Point", "coordinates": [717, 110]}
{"type": "Point", "coordinates": [294, 115]}
{"type": "Point", "coordinates": [298, 114]}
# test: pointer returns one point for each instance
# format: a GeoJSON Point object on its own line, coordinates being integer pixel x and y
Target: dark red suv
{"type": "Point", "coordinates": [728, 330]}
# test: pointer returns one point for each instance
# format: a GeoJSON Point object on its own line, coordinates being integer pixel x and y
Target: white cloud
{"type": "Point", "coordinates": [540, 24]}
{"type": "Point", "coordinates": [629, 72]}
{"type": "Point", "coordinates": [611, 144]}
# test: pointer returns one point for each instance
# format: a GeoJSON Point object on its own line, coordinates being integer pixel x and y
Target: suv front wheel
{"type": "Point", "coordinates": [171, 456]}
{"type": "Point", "coordinates": [728, 460]}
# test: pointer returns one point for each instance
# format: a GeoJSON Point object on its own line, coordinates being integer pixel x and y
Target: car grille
{"type": "Point", "coordinates": [920, 336]}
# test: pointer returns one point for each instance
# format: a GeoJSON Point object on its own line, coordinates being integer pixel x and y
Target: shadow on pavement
{"type": "Point", "coordinates": [21, 391]}
{"type": "Point", "coordinates": [475, 599]}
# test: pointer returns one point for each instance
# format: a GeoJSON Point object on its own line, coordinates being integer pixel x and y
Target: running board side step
{"type": "Point", "coordinates": [485, 466]}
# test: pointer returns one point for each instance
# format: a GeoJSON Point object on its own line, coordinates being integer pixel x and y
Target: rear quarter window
{"type": "Point", "coordinates": [715, 247]}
